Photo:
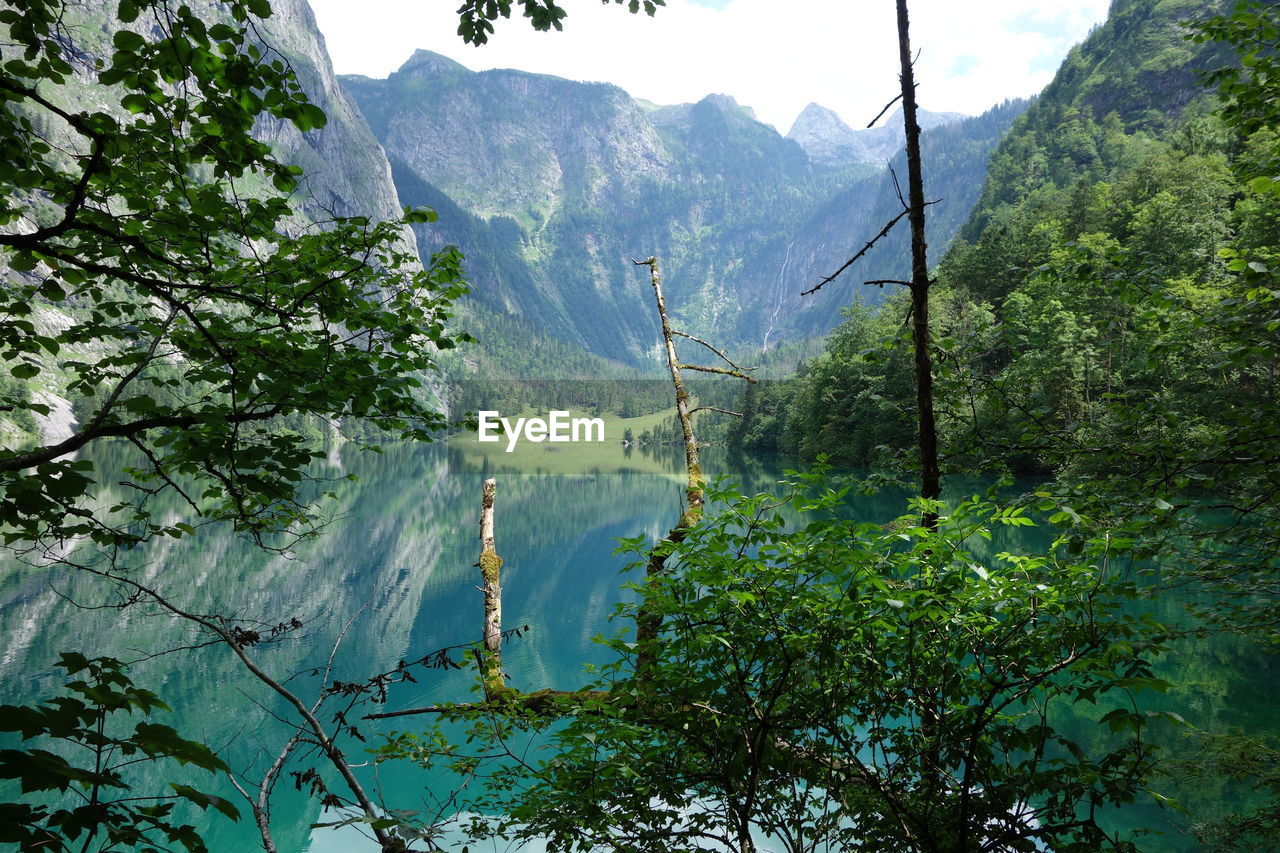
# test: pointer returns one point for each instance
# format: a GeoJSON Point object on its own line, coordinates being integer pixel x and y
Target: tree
{"type": "Point", "coordinates": [159, 271]}
{"type": "Point", "coordinates": [476, 17]}
{"type": "Point", "coordinates": [89, 718]}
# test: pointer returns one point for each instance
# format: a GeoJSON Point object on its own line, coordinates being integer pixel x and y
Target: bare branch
{"type": "Point", "coordinates": [714, 409]}
{"type": "Point", "coordinates": [883, 231]}
{"type": "Point", "coordinates": [720, 370]}
{"type": "Point", "coordinates": [897, 98]}
{"type": "Point", "coordinates": [317, 730]}
{"type": "Point", "coordinates": [897, 187]}
{"type": "Point", "coordinates": [718, 352]}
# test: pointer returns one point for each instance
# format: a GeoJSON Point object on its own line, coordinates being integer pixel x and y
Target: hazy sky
{"type": "Point", "coordinates": [772, 55]}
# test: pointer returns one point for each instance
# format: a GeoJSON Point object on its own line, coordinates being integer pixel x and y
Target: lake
{"type": "Point", "coordinates": [393, 577]}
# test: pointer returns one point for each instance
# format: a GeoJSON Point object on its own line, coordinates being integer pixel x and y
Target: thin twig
{"type": "Point", "coordinates": [895, 100]}
{"type": "Point", "coordinates": [714, 409]}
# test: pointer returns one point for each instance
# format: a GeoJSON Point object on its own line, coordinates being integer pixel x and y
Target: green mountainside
{"type": "Point", "coordinates": [1119, 154]}
{"type": "Point", "coordinates": [1132, 79]}
{"type": "Point", "coordinates": [551, 187]}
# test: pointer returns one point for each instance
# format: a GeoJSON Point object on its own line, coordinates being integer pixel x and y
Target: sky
{"type": "Point", "coordinates": [774, 56]}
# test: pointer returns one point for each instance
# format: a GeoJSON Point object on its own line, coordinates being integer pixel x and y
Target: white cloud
{"type": "Point", "coordinates": [772, 56]}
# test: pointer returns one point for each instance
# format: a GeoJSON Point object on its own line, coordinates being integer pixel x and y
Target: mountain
{"type": "Point", "coordinates": [551, 187]}
{"type": "Point", "coordinates": [955, 158]}
{"type": "Point", "coordinates": [830, 142]}
{"type": "Point", "coordinates": [346, 171]}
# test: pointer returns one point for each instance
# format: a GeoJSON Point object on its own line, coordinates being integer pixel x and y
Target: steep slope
{"type": "Point", "coordinates": [1134, 76]}
{"type": "Point", "coordinates": [563, 182]}
{"type": "Point", "coordinates": [347, 171]}
{"type": "Point", "coordinates": [955, 161]}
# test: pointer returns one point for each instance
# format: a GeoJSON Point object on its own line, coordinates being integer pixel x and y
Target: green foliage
{"type": "Point", "coordinates": [1243, 757]}
{"type": "Point", "coordinates": [838, 683]}
{"type": "Point", "coordinates": [476, 16]}
{"type": "Point", "coordinates": [1110, 318]}
{"type": "Point", "coordinates": [160, 272]}
{"type": "Point", "coordinates": [1136, 354]}
{"type": "Point", "coordinates": [82, 747]}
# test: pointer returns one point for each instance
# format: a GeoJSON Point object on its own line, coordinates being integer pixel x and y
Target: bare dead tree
{"type": "Point", "coordinates": [649, 623]}
{"type": "Point", "coordinates": [913, 209]}
{"type": "Point", "coordinates": [930, 488]}
{"type": "Point", "coordinates": [491, 574]}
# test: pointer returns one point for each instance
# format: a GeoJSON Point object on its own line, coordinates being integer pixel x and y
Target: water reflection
{"type": "Point", "coordinates": [393, 575]}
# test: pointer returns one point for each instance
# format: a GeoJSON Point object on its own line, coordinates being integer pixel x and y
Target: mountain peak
{"type": "Point", "coordinates": [429, 62]}
{"type": "Point", "coordinates": [830, 142]}
{"type": "Point", "coordinates": [728, 104]}
{"type": "Point", "coordinates": [815, 118]}
{"type": "Point", "coordinates": [824, 136]}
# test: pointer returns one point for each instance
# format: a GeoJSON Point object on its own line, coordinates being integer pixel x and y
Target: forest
{"type": "Point", "coordinates": [991, 563]}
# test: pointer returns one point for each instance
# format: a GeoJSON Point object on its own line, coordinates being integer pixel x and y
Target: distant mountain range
{"type": "Point", "coordinates": [551, 187]}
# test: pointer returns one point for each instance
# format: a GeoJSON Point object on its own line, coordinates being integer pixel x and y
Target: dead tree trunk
{"type": "Point", "coordinates": [930, 486]}
{"type": "Point", "coordinates": [928, 433]}
{"type": "Point", "coordinates": [649, 623]}
{"type": "Point", "coordinates": [491, 573]}
{"type": "Point", "coordinates": [913, 208]}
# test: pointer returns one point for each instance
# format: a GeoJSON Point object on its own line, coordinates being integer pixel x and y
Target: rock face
{"type": "Point", "coordinates": [551, 187]}
{"type": "Point", "coordinates": [347, 170]}
{"type": "Point", "coordinates": [830, 142]}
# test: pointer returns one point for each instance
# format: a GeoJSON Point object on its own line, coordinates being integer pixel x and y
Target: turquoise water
{"type": "Point", "coordinates": [393, 578]}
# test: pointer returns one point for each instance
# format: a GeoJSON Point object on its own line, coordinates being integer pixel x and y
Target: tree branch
{"type": "Point", "coordinates": [39, 455]}
{"type": "Point", "coordinates": [876, 239]}
{"type": "Point", "coordinates": [718, 352]}
{"type": "Point", "coordinates": [714, 409]}
{"type": "Point", "coordinates": [895, 100]}
{"type": "Point", "coordinates": [720, 370]}
{"type": "Point", "coordinates": [883, 231]}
